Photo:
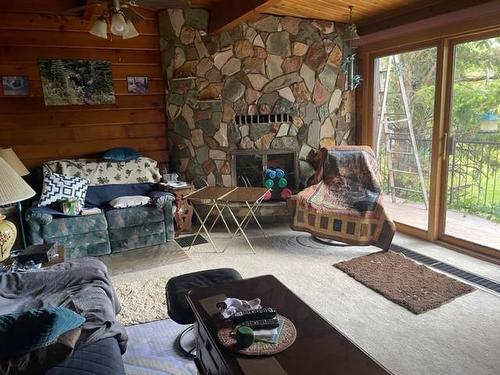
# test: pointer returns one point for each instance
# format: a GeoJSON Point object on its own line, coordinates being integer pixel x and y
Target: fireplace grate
{"type": "Point", "coordinates": [469, 277]}
{"type": "Point", "coordinates": [262, 119]}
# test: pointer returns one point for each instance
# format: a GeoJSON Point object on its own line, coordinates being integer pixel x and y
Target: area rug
{"type": "Point", "coordinates": [144, 258]}
{"type": "Point", "coordinates": [142, 301]}
{"type": "Point", "coordinates": [401, 280]}
{"type": "Point", "coordinates": [151, 350]}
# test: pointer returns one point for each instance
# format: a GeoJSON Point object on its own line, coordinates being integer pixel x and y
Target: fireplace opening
{"type": "Point", "coordinates": [275, 169]}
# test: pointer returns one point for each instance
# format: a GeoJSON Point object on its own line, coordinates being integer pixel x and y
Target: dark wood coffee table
{"type": "Point", "coordinates": [319, 348]}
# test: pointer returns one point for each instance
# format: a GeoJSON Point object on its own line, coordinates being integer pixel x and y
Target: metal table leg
{"type": "Point", "coordinates": [202, 226]}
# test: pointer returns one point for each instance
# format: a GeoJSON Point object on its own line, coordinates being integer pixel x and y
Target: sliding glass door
{"type": "Point", "coordinates": [473, 138]}
{"type": "Point", "coordinates": [404, 100]}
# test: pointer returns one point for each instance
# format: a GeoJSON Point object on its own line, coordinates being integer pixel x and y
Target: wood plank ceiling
{"type": "Point", "coordinates": [369, 15]}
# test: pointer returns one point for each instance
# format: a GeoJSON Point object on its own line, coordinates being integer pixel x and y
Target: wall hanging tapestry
{"type": "Point", "coordinates": [68, 82]}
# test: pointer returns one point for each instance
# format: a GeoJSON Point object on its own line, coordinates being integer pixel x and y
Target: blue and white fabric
{"type": "Point", "coordinates": [57, 187]}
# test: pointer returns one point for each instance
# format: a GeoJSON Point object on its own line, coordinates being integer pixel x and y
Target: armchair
{"type": "Point", "coordinates": [344, 199]}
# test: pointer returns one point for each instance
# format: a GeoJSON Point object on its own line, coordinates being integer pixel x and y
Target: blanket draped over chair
{"type": "Point", "coordinates": [344, 203]}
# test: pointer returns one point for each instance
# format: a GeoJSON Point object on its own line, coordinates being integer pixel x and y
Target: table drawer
{"type": "Point", "coordinates": [207, 355]}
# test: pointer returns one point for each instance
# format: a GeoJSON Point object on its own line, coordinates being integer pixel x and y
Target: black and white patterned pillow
{"type": "Point", "coordinates": [57, 187]}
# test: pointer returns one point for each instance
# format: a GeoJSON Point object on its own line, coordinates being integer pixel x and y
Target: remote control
{"type": "Point", "coordinates": [261, 324]}
{"type": "Point", "coordinates": [256, 314]}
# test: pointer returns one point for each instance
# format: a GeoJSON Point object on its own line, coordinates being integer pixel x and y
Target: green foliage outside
{"type": "Point", "coordinates": [474, 171]}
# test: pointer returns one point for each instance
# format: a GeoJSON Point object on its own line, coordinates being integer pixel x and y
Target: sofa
{"type": "Point", "coordinates": [111, 230]}
{"type": "Point", "coordinates": [83, 286]}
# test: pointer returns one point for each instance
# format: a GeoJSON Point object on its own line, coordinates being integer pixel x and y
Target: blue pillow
{"type": "Point", "coordinates": [121, 154]}
{"type": "Point", "coordinates": [33, 329]}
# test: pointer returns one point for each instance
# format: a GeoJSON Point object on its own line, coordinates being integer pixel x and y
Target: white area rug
{"type": "Point", "coordinates": [151, 350]}
{"type": "Point", "coordinates": [461, 337]}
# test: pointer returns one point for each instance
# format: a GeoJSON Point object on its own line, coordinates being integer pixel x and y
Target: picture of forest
{"type": "Point", "coordinates": [69, 82]}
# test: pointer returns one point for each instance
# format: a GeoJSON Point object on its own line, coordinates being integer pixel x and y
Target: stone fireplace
{"type": "Point", "coordinates": [266, 88]}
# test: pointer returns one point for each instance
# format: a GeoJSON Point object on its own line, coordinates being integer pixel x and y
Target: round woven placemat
{"type": "Point", "coordinates": [287, 337]}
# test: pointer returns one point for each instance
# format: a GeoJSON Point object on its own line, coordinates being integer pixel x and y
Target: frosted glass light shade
{"type": "Point", "coordinates": [11, 158]}
{"type": "Point", "coordinates": [12, 187]}
{"type": "Point", "coordinates": [132, 32]}
{"type": "Point", "coordinates": [351, 32]}
{"type": "Point", "coordinates": [119, 25]}
{"type": "Point", "coordinates": [100, 28]}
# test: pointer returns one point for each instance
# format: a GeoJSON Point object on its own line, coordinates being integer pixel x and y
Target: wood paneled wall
{"type": "Point", "coordinates": [37, 132]}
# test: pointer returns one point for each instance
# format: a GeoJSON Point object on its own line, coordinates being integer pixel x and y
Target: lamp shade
{"type": "Point", "coordinates": [132, 31]}
{"type": "Point", "coordinates": [100, 28]}
{"type": "Point", "coordinates": [11, 158]}
{"type": "Point", "coordinates": [12, 187]}
{"type": "Point", "coordinates": [118, 24]}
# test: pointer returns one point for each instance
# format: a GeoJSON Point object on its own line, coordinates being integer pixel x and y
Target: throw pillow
{"type": "Point", "coordinates": [121, 154]}
{"type": "Point", "coordinates": [130, 201]}
{"type": "Point", "coordinates": [24, 332]}
{"type": "Point", "coordinates": [57, 187]}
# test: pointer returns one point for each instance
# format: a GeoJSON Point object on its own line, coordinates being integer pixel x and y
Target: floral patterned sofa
{"type": "Point", "coordinates": [111, 230]}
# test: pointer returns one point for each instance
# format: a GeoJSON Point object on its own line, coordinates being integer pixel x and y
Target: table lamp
{"type": "Point", "coordinates": [13, 189]}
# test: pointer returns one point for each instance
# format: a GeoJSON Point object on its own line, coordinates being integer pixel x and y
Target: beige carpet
{"type": "Point", "coordinates": [403, 281]}
{"type": "Point", "coordinates": [144, 258]}
{"type": "Point", "coordinates": [460, 337]}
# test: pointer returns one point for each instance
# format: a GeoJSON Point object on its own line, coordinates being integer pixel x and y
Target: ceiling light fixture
{"type": "Point", "coordinates": [351, 31]}
{"type": "Point", "coordinates": [132, 31]}
{"type": "Point", "coordinates": [100, 28]}
{"type": "Point", "coordinates": [119, 24]}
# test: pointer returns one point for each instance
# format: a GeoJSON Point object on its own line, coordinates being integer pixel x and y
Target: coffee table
{"type": "Point", "coordinates": [319, 349]}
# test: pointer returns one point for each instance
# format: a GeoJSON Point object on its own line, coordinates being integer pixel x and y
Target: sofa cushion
{"type": "Point", "coordinates": [129, 217]}
{"type": "Point", "coordinates": [137, 241]}
{"type": "Point", "coordinates": [102, 357]}
{"type": "Point", "coordinates": [69, 226]}
{"type": "Point", "coordinates": [100, 195]}
{"type": "Point", "coordinates": [87, 244]}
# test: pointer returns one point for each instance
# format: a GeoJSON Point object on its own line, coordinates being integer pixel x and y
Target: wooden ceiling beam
{"type": "Point", "coordinates": [229, 13]}
{"type": "Point", "coordinates": [402, 16]}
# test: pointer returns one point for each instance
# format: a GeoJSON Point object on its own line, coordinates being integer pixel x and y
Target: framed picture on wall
{"type": "Point", "coordinates": [15, 85]}
{"type": "Point", "coordinates": [80, 82]}
{"type": "Point", "coordinates": [137, 85]}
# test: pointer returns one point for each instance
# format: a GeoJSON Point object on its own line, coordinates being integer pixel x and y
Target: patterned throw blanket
{"type": "Point", "coordinates": [345, 201]}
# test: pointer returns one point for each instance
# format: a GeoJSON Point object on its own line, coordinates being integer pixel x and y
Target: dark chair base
{"type": "Point", "coordinates": [187, 347]}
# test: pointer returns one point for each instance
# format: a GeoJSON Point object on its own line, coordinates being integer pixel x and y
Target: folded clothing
{"type": "Point", "coordinates": [130, 201]}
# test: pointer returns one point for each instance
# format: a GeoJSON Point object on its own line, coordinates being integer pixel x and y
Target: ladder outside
{"type": "Point", "coordinates": [387, 122]}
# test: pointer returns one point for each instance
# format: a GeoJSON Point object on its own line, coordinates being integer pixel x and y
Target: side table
{"type": "Point", "coordinates": [184, 212]}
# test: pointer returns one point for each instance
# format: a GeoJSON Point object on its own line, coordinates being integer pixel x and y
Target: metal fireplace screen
{"type": "Point", "coordinates": [276, 169]}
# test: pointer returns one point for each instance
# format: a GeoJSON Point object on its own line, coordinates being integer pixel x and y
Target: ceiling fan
{"type": "Point", "coordinates": [120, 14]}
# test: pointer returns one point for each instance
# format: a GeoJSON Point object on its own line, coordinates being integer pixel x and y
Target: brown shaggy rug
{"type": "Point", "coordinates": [401, 280]}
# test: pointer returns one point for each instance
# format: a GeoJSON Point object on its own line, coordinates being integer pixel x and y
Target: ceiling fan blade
{"type": "Point", "coordinates": [132, 14]}
{"type": "Point", "coordinates": [73, 10]}
{"type": "Point", "coordinates": [162, 4]}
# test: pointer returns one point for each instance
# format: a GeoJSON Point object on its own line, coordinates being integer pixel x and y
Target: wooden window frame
{"type": "Point", "coordinates": [445, 42]}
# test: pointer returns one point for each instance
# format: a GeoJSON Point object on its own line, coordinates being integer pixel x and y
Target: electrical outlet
{"type": "Point", "coordinates": [348, 117]}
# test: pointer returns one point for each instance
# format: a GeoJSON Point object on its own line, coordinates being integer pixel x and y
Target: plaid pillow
{"type": "Point", "coordinates": [57, 187]}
